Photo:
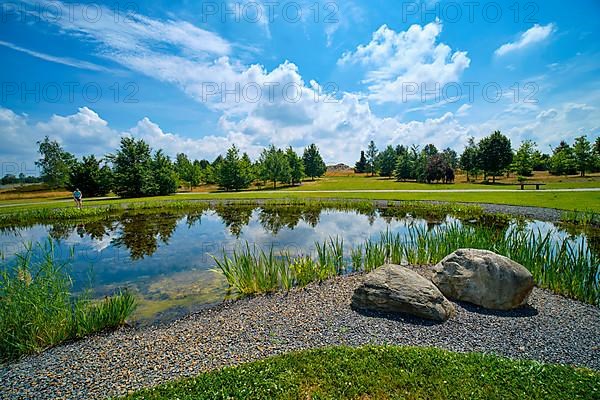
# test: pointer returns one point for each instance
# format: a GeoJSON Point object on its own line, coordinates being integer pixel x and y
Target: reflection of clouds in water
{"type": "Point", "coordinates": [353, 227]}
{"type": "Point", "coordinates": [14, 242]}
{"type": "Point", "coordinates": [191, 244]}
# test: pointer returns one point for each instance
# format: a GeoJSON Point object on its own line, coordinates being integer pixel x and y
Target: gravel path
{"type": "Point", "coordinates": [552, 329]}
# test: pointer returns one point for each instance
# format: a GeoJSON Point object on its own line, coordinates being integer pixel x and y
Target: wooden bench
{"type": "Point", "coordinates": [537, 185]}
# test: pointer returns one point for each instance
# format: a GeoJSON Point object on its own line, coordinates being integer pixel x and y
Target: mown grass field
{"type": "Point", "coordinates": [326, 188]}
{"type": "Point", "coordinates": [366, 182]}
{"type": "Point", "coordinates": [384, 373]}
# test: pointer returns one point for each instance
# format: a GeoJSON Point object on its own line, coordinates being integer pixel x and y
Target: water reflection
{"type": "Point", "coordinates": [166, 256]}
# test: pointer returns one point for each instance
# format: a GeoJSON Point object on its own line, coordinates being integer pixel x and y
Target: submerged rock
{"type": "Point", "coordinates": [483, 278]}
{"type": "Point", "coordinates": [396, 289]}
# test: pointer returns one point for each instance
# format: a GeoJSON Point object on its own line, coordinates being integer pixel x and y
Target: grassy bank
{"type": "Point", "coordinates": [384, 373]}
{"type": "Point", "coordinates": [330, 187]}
{"type": "Point", "coordinates": [37, 309]}
{"type": "Point", "coordinates": [565, 268]}
{"type": "Point", "coordinates": [29, 216]}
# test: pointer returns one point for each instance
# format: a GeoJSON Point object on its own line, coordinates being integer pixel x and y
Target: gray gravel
{"type": "Point", "coordinates": [539, 213]}
{"type": "Point", "coordinates": [553, 329]}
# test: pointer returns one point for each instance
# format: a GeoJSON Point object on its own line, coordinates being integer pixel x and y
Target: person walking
{"type": "Point", "coordinates": [78, 197]}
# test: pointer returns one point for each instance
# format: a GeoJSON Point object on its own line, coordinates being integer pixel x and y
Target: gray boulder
{"type": "Point", "coordinates": [483, 278]}
{"type": "Point", "coordinates": [396, 289]}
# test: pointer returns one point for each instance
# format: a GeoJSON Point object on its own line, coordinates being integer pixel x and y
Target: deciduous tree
{"type": "Point", "coordinates": [55, 163]}
{"type": "Point", "coordinates": [495, 154]}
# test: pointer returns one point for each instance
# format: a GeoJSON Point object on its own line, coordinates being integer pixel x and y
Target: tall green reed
{"type": "Point", "coordinates": [38, 310]}
{"type": "Point", "coordinates": [565, 267]}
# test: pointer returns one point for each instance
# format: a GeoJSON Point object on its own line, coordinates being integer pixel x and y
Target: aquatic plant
{"type": "Point", "coordinates": [38, 310]}
{"type": "Point", "coordinates": [565, 267]}
{"type": "Point", "coordinates": [254, 270]}
{"type": "Point", "coordinates": [581, 218]}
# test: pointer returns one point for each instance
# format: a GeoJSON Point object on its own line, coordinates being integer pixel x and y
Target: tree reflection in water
{"type": "Point", "coordinates": [142, 232]}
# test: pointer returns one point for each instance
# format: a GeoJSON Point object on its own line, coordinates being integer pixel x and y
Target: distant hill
{"type": "Point", "coordinates": [339, 168]}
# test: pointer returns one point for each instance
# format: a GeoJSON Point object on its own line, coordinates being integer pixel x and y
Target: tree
{"type": "Point", "coordinates": [540, 161]}
{"type": "Point", "coordinates": [401, 150]}
{"type": "Point", "coordinates": [419, 164]}
{"type": "Point", "coordinates": [436, 168]}
{"type": "Point", "coordinates": [387, 161]}
{"type": "Point", "coordinates": [451, 157]}
{"type": "Point", "coordinates": [9, 179]}
{"type": "Point", "coordinates": [190, 172]}
{"type": "Point", "coordinates": [131, 167]}
{"type": "Point", "coordinates": [524, 159]}
{"type": "Point", "coordinates": [163, 176]}
{"type": "Point", "coordinates": [430, 150]}
{"type": "Point", "coordinates": [372, 158]}
{"type": "Point", "coordinates": [361, 165]}
{"type": "Point", "coordinates": [314, 166]}
{"type": "Point", "coordinates": [562, 161]}
{"type": "Point", "coordinates": [469, 159]}
{"type": "Point", "coordinates": [274, 166]}
{"type": "Point", "coordinates": [582, 150]}
{"type": "Point", "coordinates": [495, 154]}
{"type": "Point", "coordinates": [55, 163]}
{"type": "Point", "coordinates": [90, 178]}
{"type": "Point", "coordinates": [403, 169]}
{"type": "Point", "coordinates": [296, 164]}
{"type": "Point", "coordinates": [211, 171]}
{"type": "Point", "coordinates": [234, 172]}
{"type": "Point", "coordinates": [597, 146]}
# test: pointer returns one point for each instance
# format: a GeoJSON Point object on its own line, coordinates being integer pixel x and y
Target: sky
{"type": "Point", "coordinates": [199, 76]}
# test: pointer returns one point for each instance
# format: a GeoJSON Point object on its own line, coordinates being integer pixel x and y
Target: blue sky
{"type": "Point", "coordinates": [295, 72]}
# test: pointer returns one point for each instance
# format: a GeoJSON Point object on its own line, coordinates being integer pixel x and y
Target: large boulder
{"type": "Point", "coordinates": [396, 289]}
{"type": "Point", "coordinates": [483, 278]}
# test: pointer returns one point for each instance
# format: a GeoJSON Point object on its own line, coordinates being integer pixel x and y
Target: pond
{"type": "Point", "coordinates": [166, 257]}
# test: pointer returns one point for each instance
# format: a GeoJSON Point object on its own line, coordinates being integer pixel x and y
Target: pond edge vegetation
{"type": "Point", "coordinates": [567, 269]}
{"type": "Point", "coordinates": [69, 213]}
{"type": "Point", "coordinates": [38, 309]}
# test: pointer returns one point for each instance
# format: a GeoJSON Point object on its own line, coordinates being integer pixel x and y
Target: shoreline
{"type": "Point", "coordinates": [552, 329]}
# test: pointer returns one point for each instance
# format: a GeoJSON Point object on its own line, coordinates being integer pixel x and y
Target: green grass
{"type": "Point", "coordinates": [360, 182]}
{"type": "Point", "coordinates": [565, 268]}
{"type": "Point", "coordinates": [390, 372]}
{"type": "Point", "coordinates": [30, 216]}
{"type": "Point", "coordinates": [589, 201]}
{"type": "Point", "coordinates": [37, 309]}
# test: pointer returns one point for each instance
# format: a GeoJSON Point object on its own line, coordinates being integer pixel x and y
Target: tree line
{"type": "Point", "coordinates": [135, 170]}
{"type": "Point", "coordinates": [492, 156]}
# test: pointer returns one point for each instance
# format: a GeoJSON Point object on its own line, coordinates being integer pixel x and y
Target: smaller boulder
{"type": "Point", "coordinates": [396, 289]}
{"type": "Point", "coordinates": [483, 278]}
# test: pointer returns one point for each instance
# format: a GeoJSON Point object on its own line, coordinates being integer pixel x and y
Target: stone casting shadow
{"type": "Point", "coordinates": [397, 317]}
{"type": "Point", "coordinates": [525, 311]}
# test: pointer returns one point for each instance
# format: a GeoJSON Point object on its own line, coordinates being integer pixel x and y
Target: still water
{"type": "Point", "coordinates": [166, 259]}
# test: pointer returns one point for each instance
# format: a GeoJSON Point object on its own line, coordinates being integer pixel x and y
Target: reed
{"type": "Point", "coordinates": [38, 310]}
{"type": "Point", "coordinates": [581, 218]}
{"type": "Point", "coordinates": [565, 267]}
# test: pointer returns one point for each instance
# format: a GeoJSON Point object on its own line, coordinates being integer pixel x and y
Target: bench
{"type": "Point", "coordinates": [537, 185]}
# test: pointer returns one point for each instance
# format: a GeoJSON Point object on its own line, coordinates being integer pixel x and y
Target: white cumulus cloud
{"type": "Point", "coordinates": [533, 35]}
{"type": "Point", "coordinates": [394, 60]}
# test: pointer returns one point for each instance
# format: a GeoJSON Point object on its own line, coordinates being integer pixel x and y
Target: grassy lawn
{"type": "Point", "coordinates": [365, 182]}
{"type": "Point", "coordinates": [586, 201]}
{"type": "Point", "coordinates": [384, 373]}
